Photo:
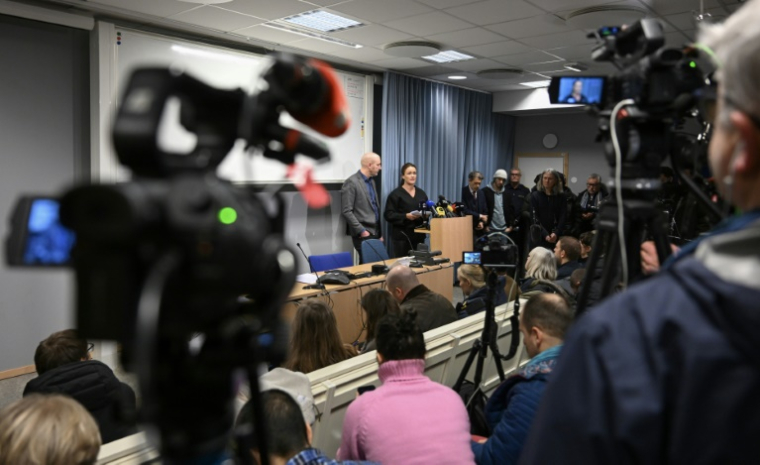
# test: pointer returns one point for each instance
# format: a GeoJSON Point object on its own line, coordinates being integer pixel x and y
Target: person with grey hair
{"type": "Point", "coordinates": [433, 309]}
{"type": "Point", "coordinates": [667, 372]}
{"type": "Point", "coordinates": [548, 208]}
{"type": "Point", "coordinates": [475, 202]}
{"type": "Point", "coordinates": [590, 201]}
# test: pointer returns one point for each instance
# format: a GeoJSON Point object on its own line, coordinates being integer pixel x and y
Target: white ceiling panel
{"type": "Point", "coordinates": [323, 3]}
{"type": "Point", "coordinates": [269, 9]}
{"type": "Point", "coordinates": [372, 34]}
{"type": "Point", "coordinates": [530, 27]}
{"type": "Point", "coordinates": [399, 63]}
{"type": "Point", "coordinates": [268, 34]}
{"type": "Point", "coordinates": [316, 45]}
{"type": "Point", "coordinates": [667, 7]}
{"type": "Point", "coordinates": [497, 49]}
{"type": "Point", "coordinates": [548, 67]}
{"type": "Point", "coordinates": [573, 53]}
{"type": "Point", "coordinates": [427, 24]}
{"type": "Point", "coordinates": [495, 11]}
{"type": "Point", "coordinates": [476, 65]}
{"type": "Point", "coordinates": [442, 4]}
{"type": "Point", "coordinates": [159, 8]}
{"type": "Point", "coordinates": [363, 55]}
{"type": "Point", "coordinates": [522, 59]}
{"type": "Point", "coordinates": [381, 11]}
{"type": "Point", "coordinates": [466, 37]}
{"type": "Point", "coordinates": [563, 39]}
{"type": "Point", "coordinates": [558, 5]}
{"type": "Point", "coordinates": [217, 18]}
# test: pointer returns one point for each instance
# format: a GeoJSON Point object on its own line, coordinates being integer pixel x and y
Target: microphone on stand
{"type": "Point", "coordinates": [317, 285]}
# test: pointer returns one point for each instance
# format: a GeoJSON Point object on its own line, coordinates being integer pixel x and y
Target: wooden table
{"type": "Point", "coordinates": [346, 298]}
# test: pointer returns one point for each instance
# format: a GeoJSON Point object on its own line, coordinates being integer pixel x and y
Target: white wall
{"type": "Point", "coordinates": [575, 133]}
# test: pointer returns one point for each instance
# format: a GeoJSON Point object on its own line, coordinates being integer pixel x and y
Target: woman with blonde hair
{"type": "Point", "coordinates": [315, 342]}
{"type": "Point", "coordinates": [48, 430]}
{"type": "Point", "coordinates": [472, 281]}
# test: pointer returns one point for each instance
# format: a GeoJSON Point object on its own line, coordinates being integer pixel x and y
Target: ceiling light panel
{"type": "Point", "coordinates": [322, 21]}
{"type": "Point", "coordinates": [449, 56]}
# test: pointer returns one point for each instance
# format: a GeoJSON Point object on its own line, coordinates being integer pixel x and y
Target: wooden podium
{"type": "Point", "coordinates": [452, 236]}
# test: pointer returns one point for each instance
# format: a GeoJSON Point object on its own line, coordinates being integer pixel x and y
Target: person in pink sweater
{"type": "Point", "coordinates": [409, 419]}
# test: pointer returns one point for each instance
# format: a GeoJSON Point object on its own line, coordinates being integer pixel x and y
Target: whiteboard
{"type": "Point", "coordinates": [230, 69]}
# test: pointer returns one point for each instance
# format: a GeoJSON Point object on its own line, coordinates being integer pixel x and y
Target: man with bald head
{"type": "Point", "coordinates": [361, 203]}
{"type": "Point", "coordinates": [433, 309]}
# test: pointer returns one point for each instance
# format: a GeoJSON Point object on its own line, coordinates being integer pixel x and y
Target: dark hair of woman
{"type": "Point", "coordinates": [315, 342]}
{"type": "Point", "coordinates": [377, 303]}
{"type": "Point", "coordinates": [405, 167]}
{"type": "Point", "coordinates": [399, 337]}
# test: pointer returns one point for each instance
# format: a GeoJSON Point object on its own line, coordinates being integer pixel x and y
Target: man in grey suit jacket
{"type": "Point", "coordinates": [361, 204]}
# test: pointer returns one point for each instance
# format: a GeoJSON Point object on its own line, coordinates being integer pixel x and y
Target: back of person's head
{"type": "Point", "coordinates": [571, 246]}
{"type": "Point", "coordinates": [307, 352]}
{"type": "Point", "coordinates": [59, 349]}
{"type": "Point", "coordinates": [378, 303]}
{"type": "Point", "coordinates": [587, 238]}
{"type": "Point", "coordinates": [401, 278]}
{"type": "Point", "coordinates": [400, 338]}
{"type": "Point", "coordinates": [549, 312]}
{"type": "Point", "coordinates": [541, 265]}
{"type": "Point", "coordinates": [286, 430]}
{"type": "Point", "coordinates": [48, 430]}
{"type": "Point", "coordinates": [576, 278]}
{"type": "Point", "coordinates": [474, 274]}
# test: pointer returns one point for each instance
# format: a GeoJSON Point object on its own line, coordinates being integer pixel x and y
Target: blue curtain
{"type": "Point", "coordinates": [446, 131]}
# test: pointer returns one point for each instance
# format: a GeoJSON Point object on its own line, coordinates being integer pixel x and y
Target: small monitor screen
{"type": "Point", "coordinates": [472, 258]}
{"type": "Point", "coordinates": [580, 90]}
{"type": "Point", "coordinates": [47, 241]}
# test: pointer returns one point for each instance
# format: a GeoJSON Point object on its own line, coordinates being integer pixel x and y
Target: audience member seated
{"type": "Point", "coordinates": [48, 430]}
{"type": "Point", "coordinates": [433, 309]}
{"type": "Point", "coordinates": [567, 251]}
{"type": "Point", "coordinates": [510, 410]}
{"type": "Point", "coordinates": [586, 240]}
{"type": "Point", "coordinates": [288, 433]}
{"type": "Point", "coordinates": [540, 275]}
{"type": "Point", "coordinates": [309, 353]}
{"type": "Point", "coordinates": [472, 281]}
{"type": "Point", "coordinates": [409, 419]}
{"type": "Point", "coordinates": [376, 304]}
{"type": "Point", "coordinates": [64, 366]}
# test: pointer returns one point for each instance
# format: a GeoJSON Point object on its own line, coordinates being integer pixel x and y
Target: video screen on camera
{"type": "Point", "coordinates": [39, 237]}
{"type": "Point", "coordinates": [577, 90]}
{"type": "Point", "coordinates": [471, 258]}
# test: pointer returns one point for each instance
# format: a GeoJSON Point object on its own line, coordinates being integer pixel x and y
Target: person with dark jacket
{"type": "Point", "coordinates": [501, 217]}
{"type": "Point", "coordinates": [64, 367]}
{"type": "Point", "coordinates": [589, 202]}
{"type": "Point", "coordinates": [475, 202]}
{"type": "Point", "coordinates": [668, 371]}
{"type": "Point", "coordinates": [433, 309]}
{"type": "Point", "coordinates": [509, 412]}
{"type": "Point", "coordinates": [548, 207]}
{"type": "Point", "coordinates": [472, 281]}
{"type": "Point", "coordinates": [402, 211]}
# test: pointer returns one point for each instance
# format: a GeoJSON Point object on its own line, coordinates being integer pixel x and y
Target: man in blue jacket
{"type": "Point", "coordinates": [510, 410]}
{"type": "Point", "coordinates": [669, 372]}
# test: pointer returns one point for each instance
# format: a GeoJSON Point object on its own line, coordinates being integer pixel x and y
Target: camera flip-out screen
{"type": "Point", "coordinates": [490, 258]}
{"type": "Point", "coordinates": [37, 236]}
{"type": "Point", "coordinates": [577, 90]}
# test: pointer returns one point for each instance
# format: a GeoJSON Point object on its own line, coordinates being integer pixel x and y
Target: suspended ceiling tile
{"type": "Point", "coordinates": [466, 37]}
{"type": "Point", "coordinates": [162, 9]}
{"type": "Point", "coordinates": [325, 3]}
{"type": "Point", "coordinates": [475, 65]}
{"type": "Point", "coordinates": [507, 47]}
{"type": "Point", "coordinates": [574, 53]}
{"type": "Point", "coordinates": [399, 63]}
{"type": "Point", "coordinates": [268, 34]}
{"type": "Point", "coordinates": [435, 70]}
{"type": "Point", "coordinates": [267, 9]}
{"type": "Point", "coordinates": [495, 11]}
{"type": "Point", "coordinates": [442, 4]}
{"type": "Point", "coordinates": [362, 55]}
{"type": "Point", "coordinates": [558, 5]}
{"type": "Point", "coordinates": [427, 24]}
{"type": "Point", "coordinates": [381, 11]}
{"type": "Point", "coordinates": [527, 58]}
{"type": "Point", "coordinates": [217, 18]}
{"type": "Point", "coordinates": [531, 27]}
{"type": "Point", "coordinates": [372, 34]}
{"type": "Point", "coordinates": [562, 39]}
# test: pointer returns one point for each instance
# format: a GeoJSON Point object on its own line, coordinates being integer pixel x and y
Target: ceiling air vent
{"type": "Point", "coordinates": [412, 49]}
{"type": "Point", "coordinates": [604, 15]}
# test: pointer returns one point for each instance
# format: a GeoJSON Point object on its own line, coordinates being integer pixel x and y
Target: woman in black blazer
{"type": "Point", "coordinates": [399, 206]}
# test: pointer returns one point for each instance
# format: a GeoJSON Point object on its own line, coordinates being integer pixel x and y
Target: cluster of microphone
{"type": "Point", "coordinates": [443, 209]}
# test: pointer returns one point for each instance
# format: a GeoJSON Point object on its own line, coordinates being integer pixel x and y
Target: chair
{"type": "Point", "coordinates": [373, 250]}
{"type": "Point", "coordinates": [331, 261]}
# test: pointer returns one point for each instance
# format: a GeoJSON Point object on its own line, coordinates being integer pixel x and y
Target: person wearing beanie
{"type": "Point", "coordinates": [499, 202]}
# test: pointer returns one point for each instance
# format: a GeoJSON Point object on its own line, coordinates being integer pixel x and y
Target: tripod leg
{"type": "Point", "coordinates": [611, 262]}
{"type": "Point", "coordinates": [467, 364]}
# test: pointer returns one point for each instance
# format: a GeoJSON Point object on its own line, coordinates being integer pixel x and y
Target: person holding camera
{"type": "Point", "coordinates": [669, 371]}
{"type": "Point", "coordinates": [409, 419]}
{"type": "Point", "coordinates": [590, 201]}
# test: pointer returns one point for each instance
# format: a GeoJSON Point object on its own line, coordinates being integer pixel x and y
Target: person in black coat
{"type": "Point", "coordinates": [475, 202]}
{"type": "Point", "coordinates": [548, 208]}
{"type": "Point", "coordinates": [64, 367]}
{"type": "Point", "coordinates": [399, 206]}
